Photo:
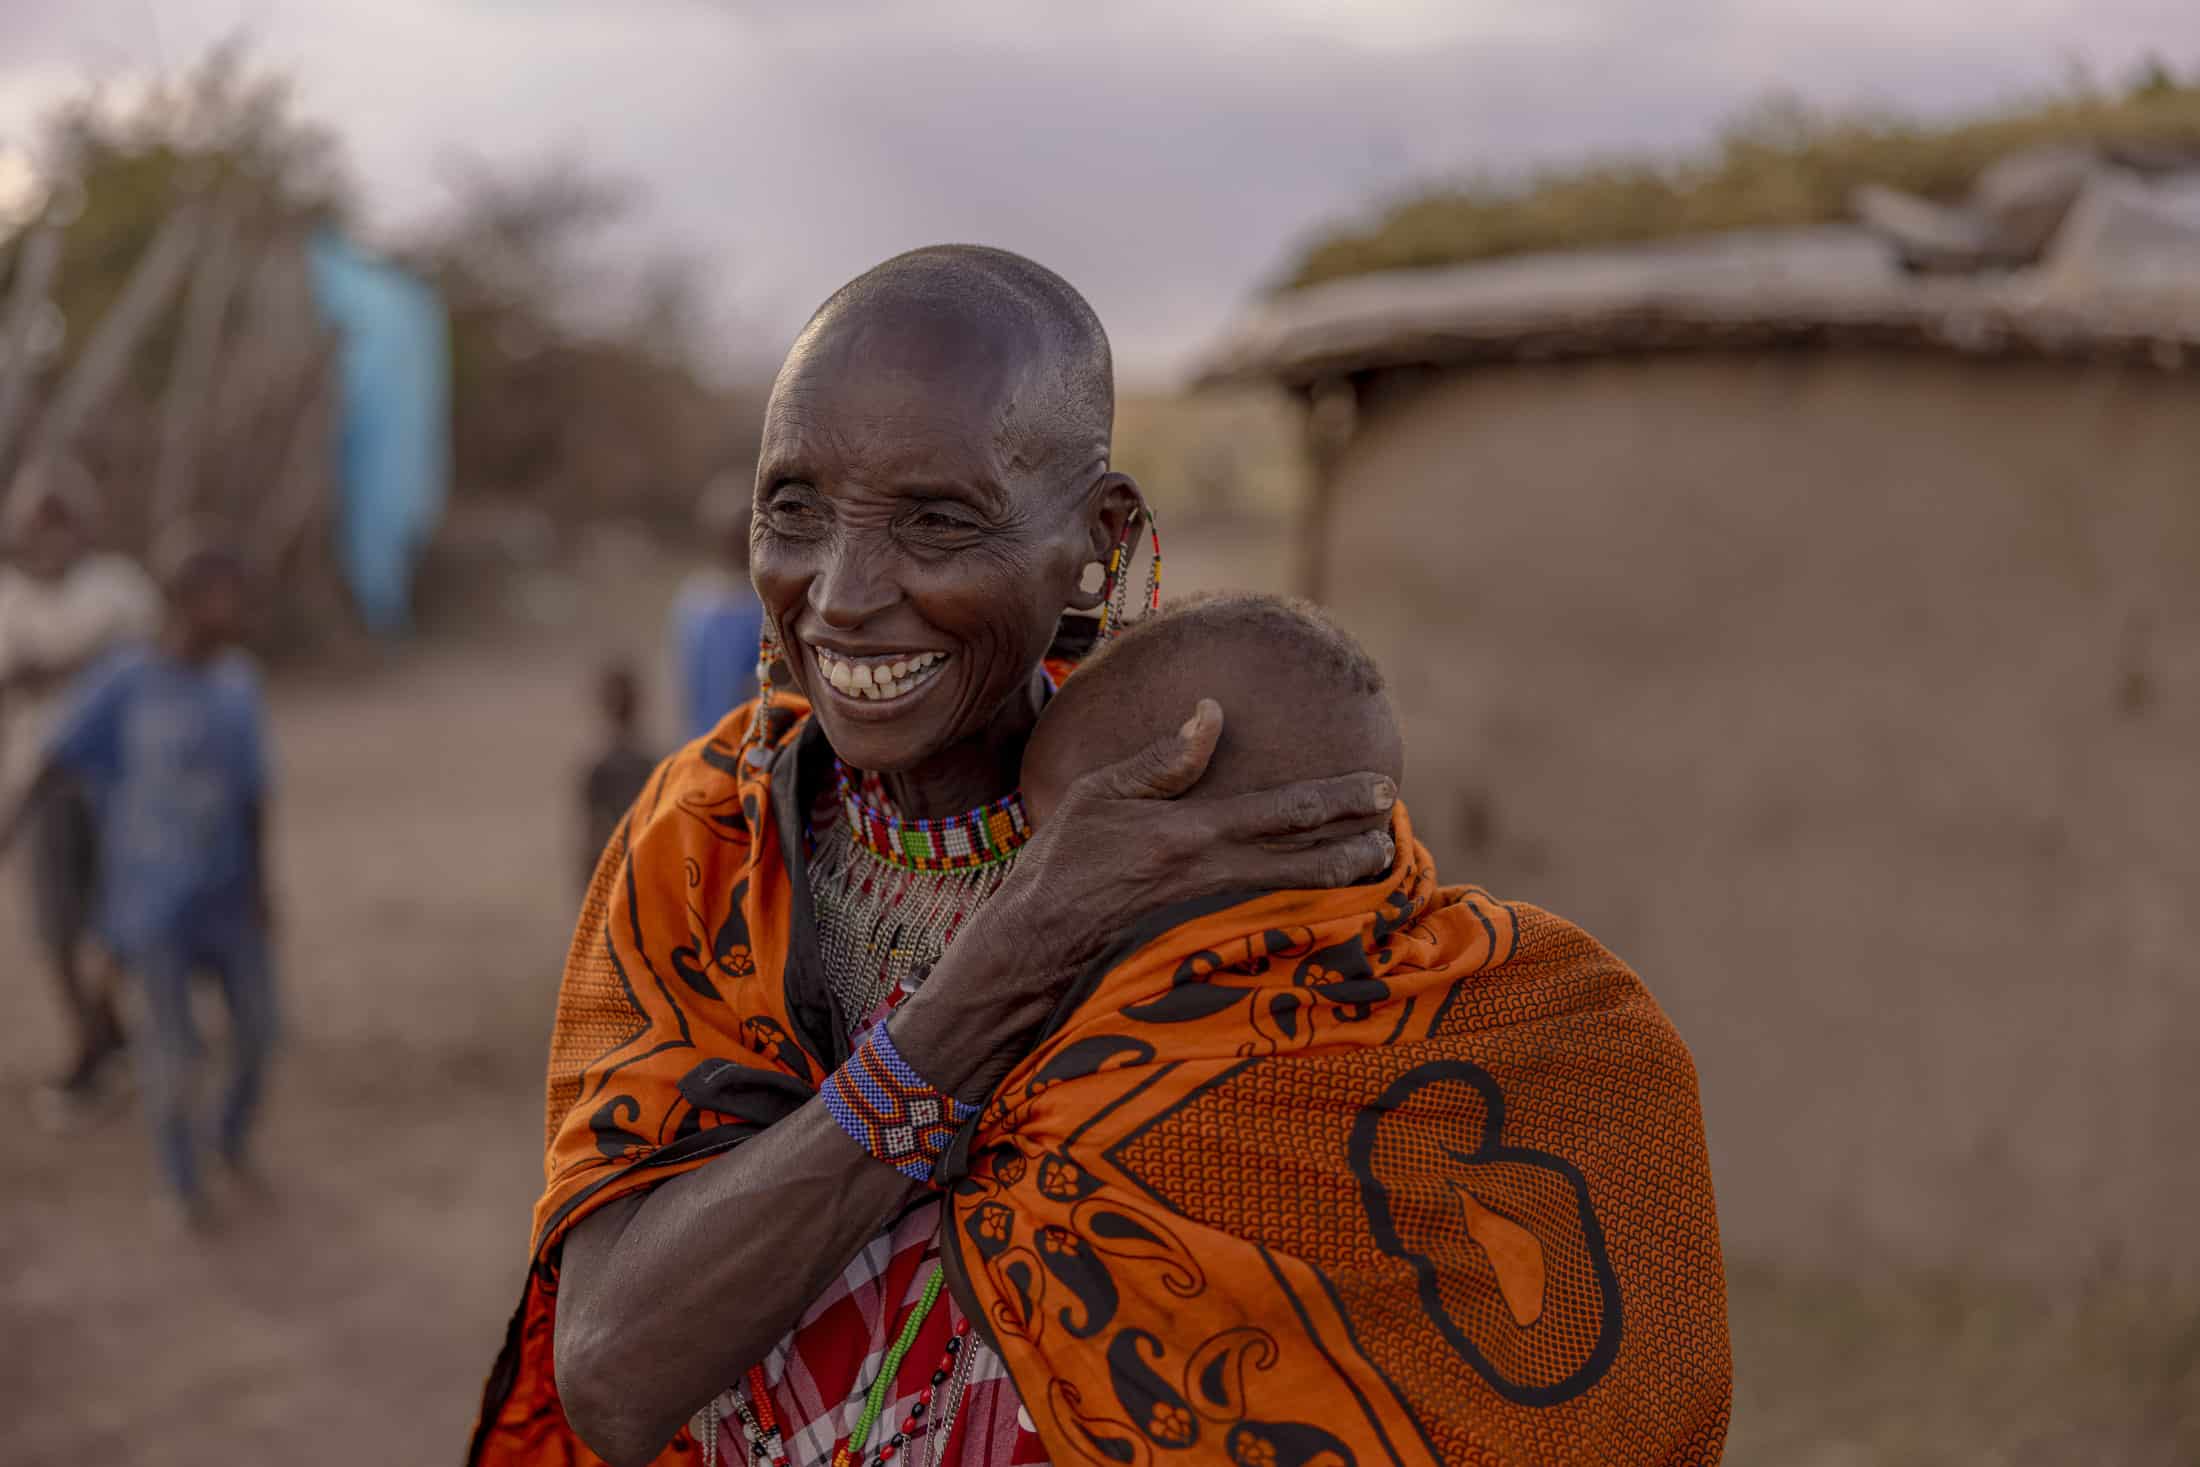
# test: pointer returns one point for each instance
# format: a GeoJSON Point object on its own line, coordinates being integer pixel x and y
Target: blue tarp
{"type": "Point", "coordinates": [393, 423]}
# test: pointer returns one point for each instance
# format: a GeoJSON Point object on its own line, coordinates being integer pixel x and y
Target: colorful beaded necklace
{"type": "Point", "coordinates": [759, 1423]}
{"type": "Point", "coordinates": [965, 842]}
{"type": "Point", "coordinates": [851, 1452]}
{"type": "Point", "coordinates": [932, 1416]}
{"type": "Point", "coordinates": [882, 920]}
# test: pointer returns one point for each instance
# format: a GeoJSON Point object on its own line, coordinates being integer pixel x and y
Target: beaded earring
{"type": "Point", "coordinates": [1115, 588]}
{"type": "Point", "coordinates": [768, 723]}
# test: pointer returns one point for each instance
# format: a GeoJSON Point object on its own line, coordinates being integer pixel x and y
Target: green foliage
{"type": "Point", "coordinates": [1779, 165]}
{"type": "Point", "coordinates": [222, 127]}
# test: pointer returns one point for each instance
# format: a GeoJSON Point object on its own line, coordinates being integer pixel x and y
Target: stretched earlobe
{"type": "Point", "coordinates": [1092, 586]}
{"type": "Point", "coordinates": [1118, 507]}
{"type": "Point", "coordinates": [1115, 590]}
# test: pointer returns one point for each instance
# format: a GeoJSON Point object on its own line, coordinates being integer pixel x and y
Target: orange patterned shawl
{"type": "Point", "coordinates": [1382, 1175]}
{"type": "Point", "coordinates": [1394, 1174]}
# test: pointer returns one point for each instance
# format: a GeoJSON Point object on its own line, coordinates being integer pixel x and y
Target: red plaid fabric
{"type": "Point", "coordinates": [819, 1374]}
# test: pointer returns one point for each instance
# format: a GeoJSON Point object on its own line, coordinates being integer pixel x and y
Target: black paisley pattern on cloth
{"type": "Point", "coordinates": [1392, 1175]}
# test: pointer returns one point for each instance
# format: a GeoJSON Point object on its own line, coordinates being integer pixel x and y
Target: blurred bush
{"type": "Point", "coordinates": [130, 159]}
{"type": "Point", "coordinates": [1781, 164]}
{"type": "Point", "coordinates": [580, 387]}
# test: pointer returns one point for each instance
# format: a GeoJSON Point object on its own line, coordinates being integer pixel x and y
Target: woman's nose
{"type": "Point", "coordinates": [852, 588]}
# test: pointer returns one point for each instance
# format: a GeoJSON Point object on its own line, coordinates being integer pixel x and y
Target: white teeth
{"type": "Point", "coordinates": [877, 681]}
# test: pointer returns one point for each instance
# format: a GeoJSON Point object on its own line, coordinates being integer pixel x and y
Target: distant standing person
{"type": "Point", "coordinates": [171, 741]}
{"type": "Point", "coordinates": [615, 779]}
{"type": "Point", "coordinates": [716, 619]}
{"type": "Point", "coordinates": [63, 605]}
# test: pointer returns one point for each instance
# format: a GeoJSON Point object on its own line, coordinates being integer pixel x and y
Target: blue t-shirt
{"type": "Point", "coordinates": [715, 625]}
{"type": "Point", "coordinates": [175, 755]}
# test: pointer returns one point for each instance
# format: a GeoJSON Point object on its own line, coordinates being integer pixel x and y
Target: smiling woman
{"type": "Point", "coordinates": [738, 1225]}
{"type": "Point", "coordinates": [932, 482]}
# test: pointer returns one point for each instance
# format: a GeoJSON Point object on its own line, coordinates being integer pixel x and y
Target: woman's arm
{"type": "Point", "coordinates": [667, 1299]}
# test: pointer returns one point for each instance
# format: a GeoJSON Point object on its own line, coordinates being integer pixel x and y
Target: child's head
{"type": "Point", "coordinates": [619, 695]}
{"type": "Point", "coordinates": [1300, 700]}
{"type": "Point", "coordinates": [50, 514]}
{"type": "Point", "coordinates": [207, 582]}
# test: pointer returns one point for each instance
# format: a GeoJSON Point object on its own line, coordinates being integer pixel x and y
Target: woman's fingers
{"type": "Point", "coordinates": [1167, 767]}
{"type": "Point", "coordinates": [1308, 807]}
{"type": "Point", "coordinates": [1348, 862]}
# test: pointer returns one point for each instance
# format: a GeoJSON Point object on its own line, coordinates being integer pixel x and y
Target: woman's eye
{"type": "Point", "coordinates": [792, 510]}
{"type": "Point", "coordinates": [940, 522]}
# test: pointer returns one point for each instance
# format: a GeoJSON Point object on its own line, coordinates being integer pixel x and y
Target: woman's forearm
{"type": "Point", "coordinates": [667, 1300]}
{"type": "Point", "coordinates": [978, 1010]}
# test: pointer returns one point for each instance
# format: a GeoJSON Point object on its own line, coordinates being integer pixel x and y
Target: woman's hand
{"type": "Point", "coordinates": [1118, 846]}
{"type": "Point", "coordinates": [1121, 844]}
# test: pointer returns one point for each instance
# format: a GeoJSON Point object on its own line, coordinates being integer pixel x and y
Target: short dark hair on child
{"type": "Point", "coordinates": [1282, 621]}
{"type": "Point", "coordinates": [191, 554]}
{"type": "Point", "coordinates": [1300, 698]}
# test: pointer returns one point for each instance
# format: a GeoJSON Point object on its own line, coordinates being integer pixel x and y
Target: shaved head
{"type": "Point", "coordinates": [932, 481]}
{"type": "Point", "coordinates": [1300, 699]}
{"type": "Point", "coordinates": [1058, 370]}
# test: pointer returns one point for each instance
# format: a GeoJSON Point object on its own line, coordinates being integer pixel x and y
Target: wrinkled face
{"type": "Point", "coordinates": [915, 562]}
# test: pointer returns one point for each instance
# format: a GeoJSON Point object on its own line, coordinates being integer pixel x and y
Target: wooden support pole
{"type": "Point", "coordinates": [1331, 406]}
{"type": "Point", "coordinates": [186, 404]}
{"type": "Point", "coordinates": [107, 354]}
{"type": "Point", "coordinates": [299, 498]}
{"type": "Point", "coordinates": [38, 259]}
{"type": "Point", "coordinates": [273, 353]}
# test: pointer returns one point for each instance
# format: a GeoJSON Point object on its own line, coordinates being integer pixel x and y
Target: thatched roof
{"type": "Point", "coordinates": [1831, 287]}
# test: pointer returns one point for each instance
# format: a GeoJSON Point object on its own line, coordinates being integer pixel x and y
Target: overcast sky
{"type": "Point", "coordinates": [1165, 155]}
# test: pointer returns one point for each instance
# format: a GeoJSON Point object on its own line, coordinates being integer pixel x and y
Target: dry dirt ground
{"type": "Point", "coordinates": [428, 875]}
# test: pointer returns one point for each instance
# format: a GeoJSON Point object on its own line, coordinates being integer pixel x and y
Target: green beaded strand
{"type": "Point", "coordinates": [875, 1401]}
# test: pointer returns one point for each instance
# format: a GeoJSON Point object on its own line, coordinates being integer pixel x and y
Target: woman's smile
{"type": "Point", "coordinates": [879, 682]}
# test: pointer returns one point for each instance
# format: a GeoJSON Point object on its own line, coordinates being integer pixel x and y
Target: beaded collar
{"type": "Point", "coordinates": [965, 842]}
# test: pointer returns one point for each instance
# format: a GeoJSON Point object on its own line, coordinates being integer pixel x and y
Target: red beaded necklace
{"type": "Point", "coordinates": [932, 1416]}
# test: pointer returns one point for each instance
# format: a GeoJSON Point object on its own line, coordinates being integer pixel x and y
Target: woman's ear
{"type": "Point", "coordinates": [1111, 505]}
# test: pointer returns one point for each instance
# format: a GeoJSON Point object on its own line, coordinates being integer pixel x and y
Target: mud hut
{"type": "Point", "coordinates": [1826, 637]}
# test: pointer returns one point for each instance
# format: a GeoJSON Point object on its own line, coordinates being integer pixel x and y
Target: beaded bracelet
{"type": "Point", "coordinates": [889, 1110]}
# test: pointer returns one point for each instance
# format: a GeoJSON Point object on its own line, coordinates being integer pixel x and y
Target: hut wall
{"type": "Point", "coordinates": [1856, 701]}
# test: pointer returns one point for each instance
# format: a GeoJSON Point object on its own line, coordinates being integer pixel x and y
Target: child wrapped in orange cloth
{"type": "Point", "coordinates": [1397, 1173]}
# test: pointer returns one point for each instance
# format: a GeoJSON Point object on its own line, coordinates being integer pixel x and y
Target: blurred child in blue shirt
{"type": "Point", "coordinates": [717, 618]}
{"type": "Point", "coordinates": [171, 741]}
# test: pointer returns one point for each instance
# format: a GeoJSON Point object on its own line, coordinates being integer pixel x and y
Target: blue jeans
{"type": "Point", "coordinates": [236, 954]}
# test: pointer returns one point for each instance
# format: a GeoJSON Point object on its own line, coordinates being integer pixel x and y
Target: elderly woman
{"type": "Point", "coordinates": [735, 1216]}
